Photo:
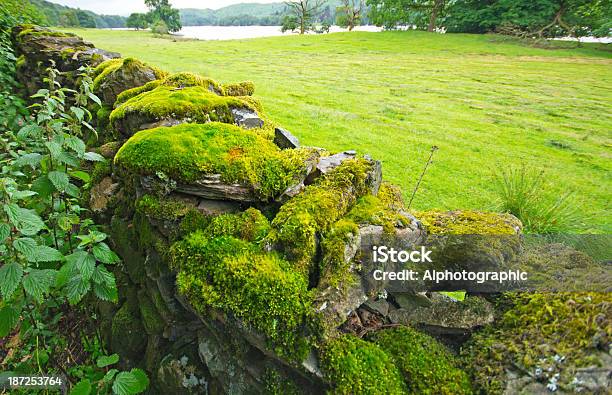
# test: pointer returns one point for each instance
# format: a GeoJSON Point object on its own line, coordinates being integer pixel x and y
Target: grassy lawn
{"type": "Point", "coordinates": [485, 103]}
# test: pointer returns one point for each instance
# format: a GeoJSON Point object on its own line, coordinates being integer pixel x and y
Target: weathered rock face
{"type": "Point", "coordinates": [247, 261]}
{"type": "Point", "coordinates": [39, 47]}
{"type": "Point", "coordinates": [115, 76]}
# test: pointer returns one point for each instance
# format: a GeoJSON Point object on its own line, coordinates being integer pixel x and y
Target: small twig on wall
{"type": "Point", "coordinates": [434, 148]}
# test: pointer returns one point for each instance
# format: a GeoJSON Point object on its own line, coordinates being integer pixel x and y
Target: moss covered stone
{"type": "Point", "coordinates": [542, 335]}
{"type": "Point", "coordinates": [250, 225]}
{"type": "Point", "coordinates": [426, 365]}
{"type": "Point", "coordinates": [355, 366]}
{"type": "Point", "coordinates": [466, 222]}
{"type": "Point", "coordinates": [260, 289]}
{"type": "Point", "coordinates": [192, 103]}
{"type": "Point", "coordinates": [301, 221]}
{"type": "Point", "coordinates": [152, 321]}
{"type": "Point", "coordinates": [188, 152]}
{"type": "Point", "coordinates": [127, 333]}
{"type": "Point", "coordinates": [116, 75]}
{"type": "Point", "coordinates": [245, 88]}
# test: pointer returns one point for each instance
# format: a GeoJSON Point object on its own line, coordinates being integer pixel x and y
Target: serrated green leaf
{"type": "Point", "coordinates": [76, 288]}
{"type": "Point", "coordinates": [83, 387]}
{"type": "Point", "coordinates": [84, 262]}
{"type": "Point", "coordinates": [106, 292]}
{"type": "Point", "coordinates": [59, 179]}
{"type": "Point", "coordinates": [73, 190]}
{"type": "Point", "coordinates": [69, 158]}
{"type": "Point", "coordinates": [26, 221]}
{"type": "Point", "coordinates": [32, 159]}
{"type": "Point", "coordinates": [10, 278]}
{"type": "Point", "coordinates": [81, 175]}
{"type": "Point", "coordinates": [43, 253]}
{"type": "Point", "coordinates": [101, 275]}
{"type": "Point", "coordinates": [5, 232]}
{"type": "Point", "coordinates": [43, 186]}
{"type": "Point", "coordinates": [109, 375]}
{"type": "Point", "coordinates": [95, 98]}
{"type": "Point", "coordinates": [93, 156]}
{"type": "Point", "coordinates": [133, 382]}
{"type": "Point", "coordinates": [18, 195]}
{"type": "Point", "coordinates": [64, 274]}
{"type": "Point", "coordinates": [106, 360]}
{"type": "Point", "coordinates": [38, 282]}
{"type": "Point", "coordinates": [78, 112]}
{"type": "Point", "coordinates": [54, 148]}
{"type": "Point", "coordinates": [25, 245]}
{"type": "Point", "coordinates": [104, 254]}
{"type": "Point", "coordinates": [9, 317]}
{"type": "Point", "coordinates": [29, 130]}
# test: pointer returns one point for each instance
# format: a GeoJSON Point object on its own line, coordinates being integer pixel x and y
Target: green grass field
{"type": "Point", "coordinates": [487, 104]}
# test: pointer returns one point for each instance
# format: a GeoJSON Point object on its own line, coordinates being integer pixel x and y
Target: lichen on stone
{"type": "Point", "coordinates": [187, 152]}
{"type": "Point", "coordinates": [467, 222]}
{"type": "Point", "coordinates": [541, 335]}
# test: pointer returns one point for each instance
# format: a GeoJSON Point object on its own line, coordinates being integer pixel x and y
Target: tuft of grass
{"type": "Point", "coordinates": [525, 193]}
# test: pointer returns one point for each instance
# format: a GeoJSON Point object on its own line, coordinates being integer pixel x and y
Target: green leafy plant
{"type": "Point", "coordinates": [113, 381]}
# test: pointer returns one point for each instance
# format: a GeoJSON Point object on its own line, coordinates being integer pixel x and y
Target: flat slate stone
{"type": "Point", "coordinates": [246, 118]}
{"type": "Point", "coordinates": [284, 139]}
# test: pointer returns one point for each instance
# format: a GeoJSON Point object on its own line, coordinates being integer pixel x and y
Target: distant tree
{"type": "Point", "coordinates": [159, 27]}
{"type": "Point", "coordinates": [289, 23]}
{"type": "Point", "coordinates": [162, 10]}
{"type": "Point", "coordinates": [304, 12]}
{"type": "Point", "coordinates": [424, 14]}
{"type": "Point", "coordinates": [86, 18]}
{"type": "Point", "coordinates": [69, 19]}
{"type": "Point", "coordinates": [137, 20]}
{"type": "Point", "coordinates": [349, 14]}
{"type": "Point", "coordinates": [532, 18]}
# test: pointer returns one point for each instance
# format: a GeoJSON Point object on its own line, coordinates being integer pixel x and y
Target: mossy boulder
{"type": "Point", "coordinates": [545, 339]}
{"type": "Point", "coordinates": [473, 241]}
{"type": "Point", "coordinates": [215, 161]}
{"type": "Point", "coordinates": [116, 75]}
{"type": "Point", "coordinates": [128, 336]}
{"type": "Point", "coordinates": [168, 105]}
{"type": "Point", "coordinates": [354, 366]}
{"type": "Point", "coordinates": [245, 88]}
{"type": "Point", "coordinates": [40, 47]}
{"type": "Point", "coordinates": [426, 365]}
{"type": "Point", "coordinates": [239, 279]}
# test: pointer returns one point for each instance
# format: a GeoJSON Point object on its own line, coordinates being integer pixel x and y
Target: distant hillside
{"type": "Point", "coordinates": [247, 14]}
{"type": "Point", "coordinates": [54, 12]}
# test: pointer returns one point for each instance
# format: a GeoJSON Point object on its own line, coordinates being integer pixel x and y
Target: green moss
{"type": "Point", "coordinates": [537, 329]}
{"type": "Point", "coordinates": [102, 116]}
{"type": "Point", "coordinates": [250, 225]}
{"type": "Point", "coordinates": [306, 216]}
{"type": "Point", "coordinates": [152, 321]}
{"type": "Point", "coordinates": [277, 384]}
{"type": "Point", "coordinates": [177, 80]}
{"type": "Point", "coordinates": [355, 366]}
{"type": "Point", "coordinates": [245, 88]}
{"type": "Point", "coordinates": [127, 333]}
{"type": "Point", "coordinates": [371, 210]}
{"type": "Point", "coordinates": [334, 262]}
{"type": "Point", "coordinates": [187, 152]}
{"type": "Point", "coordinates": [100, 170]}
{"type": "Point", "coordinates": [129, 93]}
{"type": "Point", "coordinates": [465, 222]}
{"type": "Point", "coordinates": [426, 365]}
{"type": "Point", "coordinates": [37, 31]}
{"type": "Point", "coordinates": [194, 102]}
{"type": "Point", "coordinates": [102, 71]}
{"type": "Point", "coordinates": [21, 61]}
{"type": "Point", "coordinates": [260, 289]}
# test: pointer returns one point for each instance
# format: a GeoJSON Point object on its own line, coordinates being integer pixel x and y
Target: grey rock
{"type": "Point", "coordinates": [211, 187]}
{"type": "Point", "coordinates": [379, 305]}
{"type": "Point", "coordinates": [217, 207]}
{"type": "Point", "coordinates": [445, 313]}
{"type": "Point", "coordinates": [284, 139]}
{"type": "Point", "coordinates": [246, 118]}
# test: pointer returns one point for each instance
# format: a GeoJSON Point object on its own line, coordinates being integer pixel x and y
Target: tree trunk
{"type": "Point", "coordinates": [434, 15]}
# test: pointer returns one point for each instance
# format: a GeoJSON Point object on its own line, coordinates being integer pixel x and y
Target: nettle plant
{"type": "Point", "coordinates": [50, 252]}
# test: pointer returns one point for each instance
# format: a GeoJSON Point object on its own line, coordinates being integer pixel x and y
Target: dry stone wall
{"type": "Point", "coordinates": [245, 256]}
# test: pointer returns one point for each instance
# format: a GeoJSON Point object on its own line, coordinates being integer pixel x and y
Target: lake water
{"type": "Point", "coordinates": [241, 32]}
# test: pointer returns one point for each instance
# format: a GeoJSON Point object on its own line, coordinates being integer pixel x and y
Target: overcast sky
{"type": "Point", "coordinates": [126, 7]}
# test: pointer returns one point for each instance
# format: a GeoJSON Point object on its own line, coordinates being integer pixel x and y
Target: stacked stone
{"type": "Point", "coordinates": [246, 258]}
